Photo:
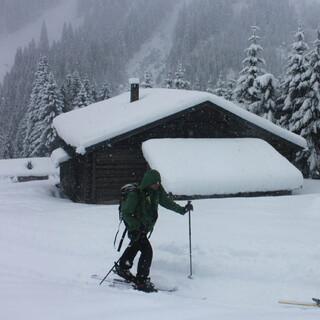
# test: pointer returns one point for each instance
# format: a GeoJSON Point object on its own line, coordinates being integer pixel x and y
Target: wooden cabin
{"type": "Point", "coordinates": [104, 139]}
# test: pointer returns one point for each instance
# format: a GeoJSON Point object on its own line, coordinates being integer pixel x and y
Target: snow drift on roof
{"type": "Point", "coordinates": [220, 166]}
{"type": "Point", "coordinates": [107, 119]}
{"type": "Point", "coordinates": [58, 156]}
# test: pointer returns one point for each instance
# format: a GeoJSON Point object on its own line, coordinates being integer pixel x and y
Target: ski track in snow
{"type": "Point", "coordinates": [248, 253]}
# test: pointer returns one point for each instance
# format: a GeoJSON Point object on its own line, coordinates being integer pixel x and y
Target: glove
{"type": "Point", "coordinates": [188, 207]}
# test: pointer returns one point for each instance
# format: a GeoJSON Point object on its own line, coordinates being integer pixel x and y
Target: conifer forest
{"type": "Point", "coordinates": [262, 54]}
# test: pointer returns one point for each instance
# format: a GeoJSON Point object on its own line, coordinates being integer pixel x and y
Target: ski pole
{"type": "Point", "coordinates": [190, 245]}
{"type": "Point", "coordinates": [122, 238]}
{"type": "Point", "coordinates": [105, 277]}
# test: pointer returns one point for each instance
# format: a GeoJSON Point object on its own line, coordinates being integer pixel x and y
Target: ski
{"type": "Point", "coordinates": [315, 303]}
{"type": "Point", "coordinates": [117, 282]}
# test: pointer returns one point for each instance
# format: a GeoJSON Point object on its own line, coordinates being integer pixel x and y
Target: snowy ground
{"type": "Point", "coordinates": [247, 253]}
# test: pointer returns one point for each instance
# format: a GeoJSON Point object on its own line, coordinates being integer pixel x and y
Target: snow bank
{"type": "Point", "coordinates": [107, 119]}
{"type": "Point", "coordinates": [220, 166]}
{"type": "Point", "coordinates": [24, 167]}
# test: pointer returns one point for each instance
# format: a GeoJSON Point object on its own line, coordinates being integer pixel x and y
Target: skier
{"type": "Point", "coordinates": [140, 213]}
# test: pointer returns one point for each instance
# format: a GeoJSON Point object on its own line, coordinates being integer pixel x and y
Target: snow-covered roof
{"type": "Point", "coordinates": [107, 119]}
{"type": "Point", "coordinates": [220, 166]}
{"type": "Point", "coordinates": [25, 167]}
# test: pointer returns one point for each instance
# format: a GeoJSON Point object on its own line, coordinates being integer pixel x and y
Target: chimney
{"type": "Point", "coordinates": [134, 85]}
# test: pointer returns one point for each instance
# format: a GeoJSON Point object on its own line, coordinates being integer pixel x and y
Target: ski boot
{"type": "Point", "coordinates": [124, 273]}
{"type": "Point", "coordinates": [144, 284]}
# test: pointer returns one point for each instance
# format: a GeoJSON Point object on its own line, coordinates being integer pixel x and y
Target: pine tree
{"type": "Point", "coordinates": [2, 144]}
{"type": "Point", "coordinates": [268, 86]}
{"type": "Point", "coordinates": [210, 85]}
{"type": "Point", "coordinates": [105, 92]}
{"type": "Point", "coordinates": [71, 89]}
{"type": "Point", "coordinates": [179, 80]}
{"type": "Point", "coordinates": [76, 85]}
{"type": "Point", "coordinates": [230, 87]}
{"type": "Point", "coordinates": [148, 80]}
{"type": "Point", "coordinates": [82, 99]}
{"type": "Point", "coordinates": [197, 85]}
{"type": "Point", "coordinates": [44, 138]}
{"type": "Point", "coordinates": [31, 118]}
{"type": "Point", "coordinates": [67, 93]}
{"type": "Point", "coordinates": [220, 87]}
{"type": "Point", "coordinates": [306, 120]}
{"type": "Point", "coordinates": [168, 82]}
{"type": "Point", "coordinates": [246, 91]}
{"type": "Point", "coordinates": [45, 104]}
{"type": "Point", "coordinates": [296, 83]}
{"type": "Point", "coordinates": [90, 90]}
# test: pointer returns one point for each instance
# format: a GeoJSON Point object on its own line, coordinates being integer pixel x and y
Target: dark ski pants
{"type": "Point", "coordinates": [143, 245]}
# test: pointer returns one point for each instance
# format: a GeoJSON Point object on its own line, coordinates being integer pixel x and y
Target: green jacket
{"type": "Point", "coordinates": [140, 209]}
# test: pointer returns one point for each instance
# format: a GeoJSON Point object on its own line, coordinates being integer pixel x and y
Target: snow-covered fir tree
{"type": "Point", "coordinates": [45, 104]}
{"type": "Point", "coordinates": [296, 84]}
{"type": "Point", "coordinates": [82, 99]}
{"type": "Point", "coordinates": [67, 93]}
{"type": "Point", "coordinates": [220, 87]}
{"type": "Point", "coordinates": [70, 90]}
{"type": "Point", "coordinates": [31, 117]}
{"type": "Point", "coordinates": [246, 92]}
{"type": "Point", "coordinates": [76, 86]}
{"type": "Point", "coordinates": [306, 119]}
{"type": "Point", "coordinates": [2, 143]}
{"type": "Point", "coordinates": [90, 90]}
{"type": "Point", "coordinates": [105, 92]}
{"type": "Point", "coordinates": [210, 85]}
{"type": "Point", "coordinates": [147, 80]}
{"type": "Point", "coordinates": [179, 80]}
{"type": "Point", "coordinates": [229, 90]}
{"type": "Point", "coordinates": [268, 86]}
{"type": "Point", "coordinates": [51, 106]}
{"type": "Point", "coordinates": [197, 85]}
{"type": "Point", "coordinates": [168, 82]}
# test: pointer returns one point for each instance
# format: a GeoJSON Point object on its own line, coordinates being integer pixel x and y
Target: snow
{"type": "Point", "coordinates": [54, 18]}
{"type": "Point", "coordinates": [59, 156]}
{"type": "Point", "coordinates": [10, 168]}
{"type": "Point", "coordinates": [220, 166]}
{"type": "Point", "coordinates": [247, 254]}
{"type": "Point", "coordinates": [88, 126]}
{"type": "Point", "coordinates": [134, 81]}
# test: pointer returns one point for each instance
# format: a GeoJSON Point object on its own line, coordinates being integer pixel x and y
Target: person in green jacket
{"type": "Point", "coordinates": [140, 213]}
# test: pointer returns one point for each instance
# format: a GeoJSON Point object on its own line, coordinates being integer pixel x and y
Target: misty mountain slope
{"type": "Point", "coordinates": [153, 54]}
{"type": "Point", "coordinates": [54, 18]}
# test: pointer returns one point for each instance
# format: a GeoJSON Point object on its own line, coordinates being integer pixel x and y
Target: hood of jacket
{"type": "Point", "coordinates": [150, 177]}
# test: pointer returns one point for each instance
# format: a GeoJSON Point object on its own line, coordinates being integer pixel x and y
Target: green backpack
{"type": "Point", "coordinates": [124, 192]}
